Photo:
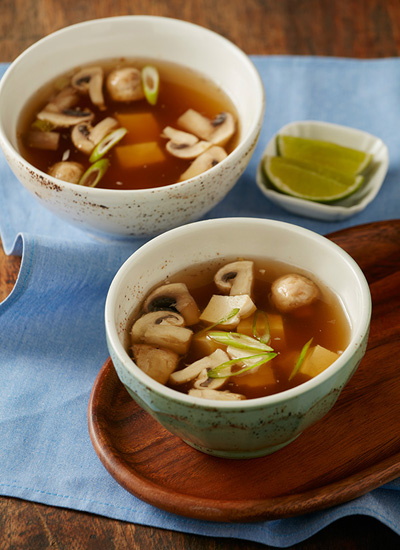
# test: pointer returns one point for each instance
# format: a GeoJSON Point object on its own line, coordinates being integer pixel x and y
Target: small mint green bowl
{"type": "Point", "coordinates": [255, 427]}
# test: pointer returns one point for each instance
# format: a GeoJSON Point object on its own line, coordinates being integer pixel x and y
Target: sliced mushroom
{"type": "Point", "coordinates": [43, 140]}
{"type": "Point", "coordinates": [173, 297]}
{"type": "Point", "coordinates": [219, 307]}
{"type": "Point", "coordinates": [224, 395]}
{"type": "Point", "coordinates": [157, 363]}
{"type": "Point", "coordinates": [218, 131]}
{"type": "Point", "coordinates": [162, 329]}
{"type": "Point", "coordinates": [293, 291]}
{"type": "Point", "coordinates": [236, 278]}
{"type": "Point", "coordinates": [184, 145]}
{"type": "Point", "coordinates": [192, 371]}
{"type": "Point", "coordinates": [67, 171]}
{"type": "Point", "coordinates": [90, 81]}
{"type": "Point", "coordinates": [85, 137]}
{"type": "Point", "coordinates": [125, 84]}
{"type": "Point", "coordinates": [65, 117]}
{"type": "Point", "coordinates": [102, 129]}
{"type": "Point", "coordinates": [65, 99]}
{"type": "Point", "coordinates": [203, 381]}
{"type": "Point", "coordinates": [211, 157]}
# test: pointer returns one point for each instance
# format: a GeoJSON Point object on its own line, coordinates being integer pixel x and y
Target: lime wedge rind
{"type": "Point", "coordinates": [305, 181]}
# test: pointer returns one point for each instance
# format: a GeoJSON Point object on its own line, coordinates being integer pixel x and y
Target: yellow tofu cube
{"type": "Point", "coordinates": [142, 127]}
{"type": "Point", "coordinates": [139, 154]}
{"type": "Point", "coordinates": [275, 323]}
{"type": "Point", "coordinates": [317, 360]}
{"type": "Point", "coordinates": [219, 307]}
{"type": "Point", "coordinates": [203, 345]}
{"type": "Point", "coordinates": [276, 326]}
{"type": "Point", "coordinates": [258, 377]}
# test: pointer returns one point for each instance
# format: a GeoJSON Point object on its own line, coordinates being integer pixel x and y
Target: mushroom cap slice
{"type": "Point", "coordinates": [235, 278]}
{"type": "Point", "coordinates": [66, 117]}
{"type": "Point", "coordinates": [292, 291]}
{"type": "Point", "coordinates": [90, 80]}
{"type": "Point", "coordinates": [67, 171]}
{"type": "Point", "coordinates": [65, 99]}
{"type": "Point", "coordinates": [125, 84]}
{"type": "Point", "coordinates": [219, 307]}
{"type": "Point", "coordinates": [162, 329]}
{"type": "Point", "coordinates": [218, 131]}
{"type": "Point", "coordinates": [211, 157]}
{"type": "Point", "coordinates": [80, 136]}
{"type": "Point", "coordinates": [85, 137]}
{"type": "Point", "coordinates": [158, 363]}
{"type": "Point", "coordinates": [102, 129]}
{"type": "Point", "coordinates": [43, 140]}
{"type": "Point", "coordinates": [173, 297]}
{"type": "Point", "coordinates": [224, 126]}
{"type": "Point", "coordinates": [218, 395]}
{"type": "Point", "coordinates": [184, 145]}
{"type": "Point", "coordinates": [192, 371]}
{"type": "Point", "coordinates": [203, 381]}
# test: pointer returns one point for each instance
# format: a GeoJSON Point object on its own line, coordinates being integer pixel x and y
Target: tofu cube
{"type": "Point", "coordinates": [317, 360]}
{"type": "Point", "coordinates": [220, 307]}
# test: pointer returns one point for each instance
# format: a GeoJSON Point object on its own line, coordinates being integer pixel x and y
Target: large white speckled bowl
{"type": "Point", "coordinates": [255, 427]}
{"type": "Point", "coordinates": [136, 212]}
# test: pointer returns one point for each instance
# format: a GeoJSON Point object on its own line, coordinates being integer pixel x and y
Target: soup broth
{"type": "Point", "coordinates": [318, 330]}
{"type": "Point", "coordinates": [140, 159]}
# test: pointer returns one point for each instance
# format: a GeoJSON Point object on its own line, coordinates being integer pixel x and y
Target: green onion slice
{"type": "Point", "coordinates": [151, 83]}
{"type": "Point", "coordinates": [300, 359]}
{"type": "Point", "coordinates": [42, 125]}
{"type": "Point", "coordinates": [238, 340]}
{"type": "Point", "coordinates": [218, 372]}
{"type": "Point", "coordinates": [231, 314]}
{"type": "Point", "coordinates": [93, 175]}
{"type": "Point", "coordinates": [107, 143]}
{"type": "Point", "coordinates": [266, 336]}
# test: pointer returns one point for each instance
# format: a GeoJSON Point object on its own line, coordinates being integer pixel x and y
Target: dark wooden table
{"type": "Point", "coordinates": [343, 28]}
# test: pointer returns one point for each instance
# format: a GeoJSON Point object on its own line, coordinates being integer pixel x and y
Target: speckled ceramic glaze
{"type": "Point", "coordinates": [138, 212]}
{"type": "Point", "coordinates": [254, 427]}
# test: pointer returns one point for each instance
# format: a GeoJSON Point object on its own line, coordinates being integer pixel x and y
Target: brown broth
{"type": "Point", "coordinates": [180, 89]}
{"type": "Point", "coordinates": [325, 321]}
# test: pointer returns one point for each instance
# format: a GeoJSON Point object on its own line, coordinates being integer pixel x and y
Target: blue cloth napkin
{"type": "Point", "coordinates": [52, 341]}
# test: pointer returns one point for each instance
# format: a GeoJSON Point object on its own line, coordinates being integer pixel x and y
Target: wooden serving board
{"type": "Point", "coordinates": [351, 451]}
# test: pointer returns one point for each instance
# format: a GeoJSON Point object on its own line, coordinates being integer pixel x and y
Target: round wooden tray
{"type": "Point", "coordinates": [353, 450]}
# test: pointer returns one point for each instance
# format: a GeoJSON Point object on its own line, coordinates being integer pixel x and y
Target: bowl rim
{"type": "Point", "coordinates": [102, 192]}
{"type": "Point", "coordinates": [360, 332]}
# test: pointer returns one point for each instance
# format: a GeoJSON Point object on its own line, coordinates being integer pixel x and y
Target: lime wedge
{"type": "Point", "coordinates": [336, 157]}
{"type": "Point", "coordinates": [307, 181]}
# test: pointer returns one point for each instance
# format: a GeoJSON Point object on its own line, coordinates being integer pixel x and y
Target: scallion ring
{"type": "Point", "coordinates": [107, 143]}
{"type": "Point", "coordinates": [151, 83]}
{"type": "Point", "coordinates": [93, 175]}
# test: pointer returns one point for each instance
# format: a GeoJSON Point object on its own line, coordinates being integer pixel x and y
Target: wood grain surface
{"type": "Point", "coordinates": [343, 456]}
{"type": "Point", "coordinates": [351, 28]}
